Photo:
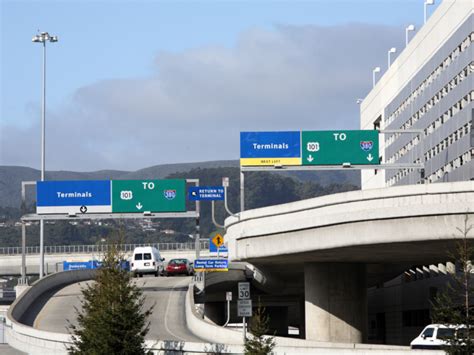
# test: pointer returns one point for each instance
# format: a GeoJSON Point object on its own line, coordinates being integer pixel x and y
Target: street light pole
{"type": "Point", "coordinates": [376, 70]}
{"type": "Point", "coordinates": [427, 2]}
{"type": "Point", "coordinates": [408, 29]}
{"type": "Point", "coordinates": [389, 62]}
{"type": "Point", "coordinates": [43, 37]}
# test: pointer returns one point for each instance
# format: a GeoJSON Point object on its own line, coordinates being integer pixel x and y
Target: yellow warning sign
{"type": "Point", "coordinates": [218, 240]}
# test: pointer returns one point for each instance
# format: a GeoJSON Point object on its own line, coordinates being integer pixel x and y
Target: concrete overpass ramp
{"type": "Point", "coordinates": [332, 247]}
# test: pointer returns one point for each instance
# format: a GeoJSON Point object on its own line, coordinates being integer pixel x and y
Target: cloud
{"type": "Point", "coordinates": [195, 103]}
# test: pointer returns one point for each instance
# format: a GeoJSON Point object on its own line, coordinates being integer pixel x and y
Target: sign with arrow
{"type": "Point", "coordinates": [138, 196]}
{"type": "Point", "coordinates": [216, 244]}
{"type": "Point", "coordinates": [206, 193]}
{"type": "Point", "coordinates": [356, 147]}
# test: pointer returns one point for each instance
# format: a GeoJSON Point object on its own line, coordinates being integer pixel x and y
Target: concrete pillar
{"type": "Point", "coordinates": [335, 302]}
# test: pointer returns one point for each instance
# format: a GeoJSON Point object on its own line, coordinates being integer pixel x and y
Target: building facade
{"type": "Point", "coordinates": [428, 91]}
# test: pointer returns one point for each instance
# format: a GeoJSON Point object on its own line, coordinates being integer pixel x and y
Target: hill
{"type": "Point", "coordinates": [12, 176]}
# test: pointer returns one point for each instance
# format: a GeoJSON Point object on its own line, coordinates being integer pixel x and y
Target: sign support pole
{"type": "Point", "coordinates": [244, 326]}
{"type": "Point", "coordinates": [242, 190]}
{"type": "Point", "coordinates": [23, 280]}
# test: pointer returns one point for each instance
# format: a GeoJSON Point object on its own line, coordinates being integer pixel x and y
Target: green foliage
{"type": "Point", "coordinates": [113, 319]}
{"type": "Point", "coordinates": [259, 343]}
{"type": "Point", "coordinates": [452, 306]}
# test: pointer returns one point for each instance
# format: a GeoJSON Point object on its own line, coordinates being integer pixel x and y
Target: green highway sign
{"type": "Point", "coordinates": [339, 147]}
{"type": "Point", "coordinates": [135, 196]}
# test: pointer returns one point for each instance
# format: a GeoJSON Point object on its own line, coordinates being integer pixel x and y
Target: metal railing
{"type": "Point", "coordinates": [99, 248]}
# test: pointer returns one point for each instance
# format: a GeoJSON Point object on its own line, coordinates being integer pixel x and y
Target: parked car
{"type": "Point", "coordinates": [179, 267]}
{"type": "Point", "coordinates": [434, 336]}
{"type": "Point", "coordinates": [147, 260]}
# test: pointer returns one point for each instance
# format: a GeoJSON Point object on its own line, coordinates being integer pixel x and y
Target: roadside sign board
{"type": "Point", "coordinates": [211, 265]}
{"type": "Point", "coordinates": [218, 240]}
{"type": "Point", "coordinates": [270, 148]}
{"type": "Point", "coordinates": [244, 290]}
{"type": "Point", "coordinates": [216, 244]}
{"type": "Point", "coordinates": [244, 308]}
{"type": "Point", "coordinates": [135, 196]}
{"type": "Point", "coordinates": [206, 193]}
{"type": "Point", "coordinates": [91, 196]}
{"type": "Point", "coordinates": [356, 147]}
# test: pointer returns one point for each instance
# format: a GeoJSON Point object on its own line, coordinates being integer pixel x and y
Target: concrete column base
{"type": "Point", "coordinates": [335, 302]}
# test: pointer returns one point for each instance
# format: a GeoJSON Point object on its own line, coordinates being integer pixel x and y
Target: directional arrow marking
{"type": "Point", "coordinates": [310, 158]}
{"type": "Point", "coordinates": [370, 157]}
{"type": "Point", "coordinates": [139, 206]}
{"type": "Point", "coordinates": [193, 193]}
{"type": "Point", "coordinates": [83, 209]}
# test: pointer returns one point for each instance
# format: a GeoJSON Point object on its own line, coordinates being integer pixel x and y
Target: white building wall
{"type": "Point", "coordinates": [447, 18]}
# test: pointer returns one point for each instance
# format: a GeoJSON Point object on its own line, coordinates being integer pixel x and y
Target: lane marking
{"type": "Point", "coordinates": [166, 312]}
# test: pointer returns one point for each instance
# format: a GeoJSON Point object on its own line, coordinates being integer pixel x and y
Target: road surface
{"type": "Point", "coordinates": [167, 321]}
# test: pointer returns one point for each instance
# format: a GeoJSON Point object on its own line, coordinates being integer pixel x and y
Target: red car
{"type": "Point", "coordinates": [179, 267]}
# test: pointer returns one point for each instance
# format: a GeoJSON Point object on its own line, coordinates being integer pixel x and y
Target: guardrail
{"type": "Point", "coordinates": [99, 248]}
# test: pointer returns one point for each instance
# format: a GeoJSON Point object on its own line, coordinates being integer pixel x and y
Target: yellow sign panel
{"type": "Point", "coordinates": [218, 240]}
{"type": "Point", "coordinates": [269, 161]}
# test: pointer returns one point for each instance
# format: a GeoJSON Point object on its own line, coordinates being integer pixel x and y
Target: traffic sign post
{"type": "Point", "coordinates": [129, 196]}
{"type": "Point", "coordinates": [244, 305]}
{"type": "Point", "coordinates": [359, 147]}
{"type": "Point", "coordinates": [216, 245]}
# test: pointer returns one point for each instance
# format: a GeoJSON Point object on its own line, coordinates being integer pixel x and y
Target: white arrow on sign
{"type": "Point", "coordinates": [310, 158]}
{"type": "Point", "coordinates": [193, 193]}
{"type": "Point", "coordinates": [139, 206]}
{"type": "Point", "coordinates": [370, 157]}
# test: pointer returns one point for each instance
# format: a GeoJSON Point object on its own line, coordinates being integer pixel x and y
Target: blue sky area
{"type": "Point", "coordinates": [144, 43]}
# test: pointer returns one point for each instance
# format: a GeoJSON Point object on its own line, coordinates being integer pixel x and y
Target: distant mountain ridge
{"type": "Point", "coordinates": [12, 176]}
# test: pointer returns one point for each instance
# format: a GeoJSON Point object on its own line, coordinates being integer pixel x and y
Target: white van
{"type": "Point", "coordinates": [434, 336]}
{"type": "Point", "coordinates": [146, 260]}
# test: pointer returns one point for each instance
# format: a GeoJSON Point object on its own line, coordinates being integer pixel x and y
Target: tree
{"type": "Point", "coordinates": [113, 319]}
{"type": "Point", "coordinates": [452, 306]}
{"type": "Point", "coordinates": [259, 343]}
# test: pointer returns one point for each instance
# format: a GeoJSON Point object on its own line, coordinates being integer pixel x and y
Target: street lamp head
{"type": "Point", "coordinates": [429, 2]}
{"type": "Point", "coordinates": [359, 101]}
{"type": "Point", "coordinates": [392, 50]}
{"type": "Point", "coordinates": [36, 38]}
{"type": "Point", "coordinates": [376, 70]}
{"type": "Point", "coordinates": [410, 28]}
{"type": "Point", "coordinates": [53, 39]}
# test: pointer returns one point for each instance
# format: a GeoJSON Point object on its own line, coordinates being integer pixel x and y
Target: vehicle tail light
{"type": "Point", "coordinates": [132, 264]}
{"type": "Point", "coordinates": [154, 263]}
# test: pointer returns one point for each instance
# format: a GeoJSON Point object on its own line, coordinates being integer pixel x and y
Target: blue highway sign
{"type": "Point", "coordinates": [211, 265]}
{"type": "Point", "coordinates": [270, 148]}
{"type": "Point", "coordinates": [88, 196]}
{"type": "Point", "coordinates": [206, 193]}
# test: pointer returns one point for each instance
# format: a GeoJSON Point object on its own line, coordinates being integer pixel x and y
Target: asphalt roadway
{"type": "Point", "coordinates": [167, 321]}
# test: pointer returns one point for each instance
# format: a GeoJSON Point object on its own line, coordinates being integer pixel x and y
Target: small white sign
{"type": "Point", "coordinates": [244, 308]}
{"type": "Point", "coordinates": [228, 296]}
{"type": "Point", "coordinates": [225, 181]}
{"type": "Point", "coordinates": [244, 290]}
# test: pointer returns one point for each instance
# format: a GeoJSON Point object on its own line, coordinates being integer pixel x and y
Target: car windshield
{"type": "Point", "coordinates": [445, 333]}
{"type": "Point", "coordinates": [428, 333]}
{"type": "Point", "coordinates": [147, 256]}
{"type": "Point", "coordinates": [178, 262]}
{"type": "Point", "coordinates": [138, 256]}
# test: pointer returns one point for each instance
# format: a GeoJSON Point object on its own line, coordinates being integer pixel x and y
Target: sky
{"type": "Point", "coordinates": [132, 84]}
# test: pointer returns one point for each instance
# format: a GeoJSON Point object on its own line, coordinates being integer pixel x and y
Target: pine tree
{"type": "Point", "coordinates": [452, 306]}
{"type": "Point", "coordinates": [113, 319]}
{"type": "Point", "coordinates": [259, 343]}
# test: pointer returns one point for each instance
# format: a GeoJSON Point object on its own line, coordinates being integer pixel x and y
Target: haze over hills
{"type": "Point", "coordinates": [12, 176]}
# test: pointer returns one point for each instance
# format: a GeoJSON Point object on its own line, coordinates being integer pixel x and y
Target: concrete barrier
{"type": "Point", "coordinates": [29, 339]}
{"type": "Point", "coordinates": [231, 341]}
